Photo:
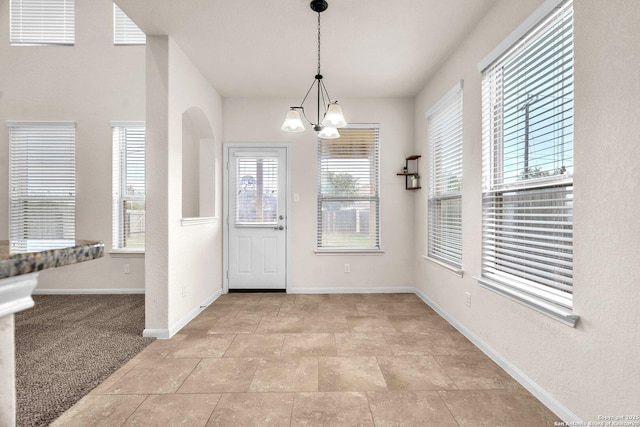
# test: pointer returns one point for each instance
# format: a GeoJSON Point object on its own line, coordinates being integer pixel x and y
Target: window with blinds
{"type": "Point", "coordinates": [39, 22]}
{"type": "Point", "coordinates": [257, 190]}
{"type": "Point", "coordinates": [125, 31]}
{"type": "Point", "coordinates": [527, 200]}
{"type": "Point", "coordinates": [128, 204]}
{"type": "Point", "coordinates": [42, 183]}
{"type": "Point", "coordinates": [348, 190]}
{"type": "Point", "coordinates": [444, 134]}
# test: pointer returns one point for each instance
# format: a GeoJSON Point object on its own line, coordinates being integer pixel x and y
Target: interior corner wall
{"type": "Point", "coordinates": [259, 120]}
{"type": "Point", "coordinates": [92, 83]}
{"type": "Point", "coordinates": [590, 370]}
{"type": "Point", "coordinates": [183, 263]}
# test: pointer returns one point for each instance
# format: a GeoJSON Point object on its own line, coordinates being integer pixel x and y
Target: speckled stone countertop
{"type": "Point", "coordinates": [15, 262]}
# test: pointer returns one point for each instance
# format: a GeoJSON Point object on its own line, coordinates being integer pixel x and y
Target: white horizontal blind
{"type": "Point", "coordinates": [444, 133]}
{"type": "Point", "coordinates": [528, 162]}
{"type": "Point", "coordinates": [257, 190]}
{"type": "Point", "coordinates": [348, 190]}
{"type": "Point", "coordinates": [128, 205]}
{"type": "Point", "coordinates": [42, 185]}
{"type": "Point", "coordinates": [125, 31]}
{"type": "Point", "coordinates": [42, 22]}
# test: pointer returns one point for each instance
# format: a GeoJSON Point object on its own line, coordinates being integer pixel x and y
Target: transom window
{"type": "Point", "coordinates": [38, 22]}
{"type": "Point", "coordinates": [125, 31]}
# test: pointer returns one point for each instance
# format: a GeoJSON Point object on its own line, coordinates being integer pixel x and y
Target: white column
{"type": "Point", "coordinates": [15, 295]}
{"type": "Point", "coordinates": [7, 372]}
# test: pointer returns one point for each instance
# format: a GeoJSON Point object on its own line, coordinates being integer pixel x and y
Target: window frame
{"type": "Point", "coordinates": [34, 166]}
{"type": "Point", "coordinates": [27, 27]}
{"type": "Point", "coordinates": [445, 146]}
{"type": "Point", "coordinates": [119, 196]}
{"type": "Point", "coordinates": [374, 197]}
{"type": "Point", "coordinates": [511, 201]}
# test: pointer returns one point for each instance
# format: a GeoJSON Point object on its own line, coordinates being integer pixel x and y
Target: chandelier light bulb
{"type": "Point", "coordinates": [328, 133]}
{"type": "Point", "coordinates": [334, 117]}
{"type": "Point", "coordinates": [293, 121]}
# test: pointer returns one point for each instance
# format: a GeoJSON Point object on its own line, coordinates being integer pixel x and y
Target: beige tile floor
{"type": "Point", "coordinates": [299, 360]}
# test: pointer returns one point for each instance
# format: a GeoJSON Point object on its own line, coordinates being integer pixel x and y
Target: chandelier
{"type": "Point", "coordinates": [332, 117]}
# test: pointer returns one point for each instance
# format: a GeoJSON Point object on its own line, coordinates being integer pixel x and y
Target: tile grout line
{"type": "Point", "coordinates": [455, 383]}
{"type": "Point", "coordinates": [230, 344]}
{"type": "Point", "coordinates": [447, 406]}
{"type": "Point", "coordinates": [214, 408]}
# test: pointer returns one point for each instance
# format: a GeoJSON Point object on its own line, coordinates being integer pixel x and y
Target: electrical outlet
{"type": "Point", "coordinates": [127, 269]}
{"type": "Point", "coordinates": [347, 268]}
{"type": "Point", "coordinates": [468, 299]}
{"type": "Point", "coordinates": [184, 291]}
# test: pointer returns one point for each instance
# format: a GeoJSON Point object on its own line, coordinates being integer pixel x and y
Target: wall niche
{"type": "Point", "coordinates": [198, 168]}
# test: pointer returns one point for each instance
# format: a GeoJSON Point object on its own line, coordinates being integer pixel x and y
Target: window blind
{"type": "Point", "coordinates": [125, 31]}
{"type": "Point", "coordinates": [41, 181]}
{"type": "Point", "coordinates": [128, 206]}
{"type": "Point", "coordinates": [257, 190]}
{"type": "Point", "coordinates": [42, 22]}
{"type": "Point", "coordinates": [527, 221]}
{"type": "Point", "coordinates": [348, 190]}
{"type": "Point", "coordinates": [444, 133]}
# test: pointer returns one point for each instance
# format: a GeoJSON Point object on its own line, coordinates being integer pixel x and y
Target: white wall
{"type": "Point", "coordinates": [183, 263]}
{"type": "Point", "coordinates": [592, 370]}
{"type": "Point", "coordinates": [259, 120]}
{"type": "Point", "coordinates": [86, 83]}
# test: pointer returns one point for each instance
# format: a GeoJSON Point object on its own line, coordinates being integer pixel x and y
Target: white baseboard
{"type": "Point", "coordinates": [87, 291]}
{"type": "Point", "coordinates": [162, 334]}
{"type": "Point", "coordinates": [389, 290]}
{"type": "Point", "coordinates": [193, 313]}
{"type": "Point", "coordinates": [168, 333]}
{"type": "Point", "coordinates": [541, 394]}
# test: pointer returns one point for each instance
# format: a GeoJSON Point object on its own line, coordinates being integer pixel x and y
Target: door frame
{"type": "Point", "coordinates": [227, 146]}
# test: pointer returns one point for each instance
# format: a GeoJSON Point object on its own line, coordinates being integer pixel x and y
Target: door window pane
{"type": "Point", "coordinates": [257, 190]}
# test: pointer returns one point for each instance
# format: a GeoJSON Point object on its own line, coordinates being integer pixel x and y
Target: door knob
{"type": "Point", "coordinates": [280, 227]}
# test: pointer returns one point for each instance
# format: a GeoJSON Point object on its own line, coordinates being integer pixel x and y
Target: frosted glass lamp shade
{"type": "Point", "coordinates": [293, 121]}
{"type": "Point", "coordinates": [329, 133]}
{"type": "Point", "coordinates": [334, 117]}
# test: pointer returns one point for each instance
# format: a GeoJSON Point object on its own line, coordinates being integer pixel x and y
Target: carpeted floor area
{"type": "Point", "coordinates": [68, 344]}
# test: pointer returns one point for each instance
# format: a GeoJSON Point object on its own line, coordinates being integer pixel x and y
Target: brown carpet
{"type": "Point", "coordinates": [68, 344]}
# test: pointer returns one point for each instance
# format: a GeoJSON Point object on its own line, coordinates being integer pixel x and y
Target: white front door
{"type": "Point", "coordinates": [257, 217]}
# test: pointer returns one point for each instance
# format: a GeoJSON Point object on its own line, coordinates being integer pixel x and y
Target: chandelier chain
{"type": "Point", "coordinates": [293, 121]}
{"type": "Point", "coordinates": [318, 42]}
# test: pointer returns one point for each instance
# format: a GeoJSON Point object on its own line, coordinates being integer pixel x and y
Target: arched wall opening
{"type": "Point", "coordinates": [198, 165]}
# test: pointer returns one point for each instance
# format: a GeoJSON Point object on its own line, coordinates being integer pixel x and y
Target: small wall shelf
{"type": "Point", "coordinates": [410, 172]}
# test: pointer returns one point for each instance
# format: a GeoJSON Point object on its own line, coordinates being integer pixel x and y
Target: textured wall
{"type": "Point", "coordinates": [590, 369]}
{"type": "Point", "coordinates": [259, 120]}
{"type": "Point", "coordinates": [86, 83]}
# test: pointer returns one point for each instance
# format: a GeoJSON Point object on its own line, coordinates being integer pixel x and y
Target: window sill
{"type": "Point", "coordinates": [540, 305]}
{"type": "Point", "coordinates": [198, 220]}
{"type": "Point", "coordinates": [451, 269]}
{"type": "Point", "coordinates": [119, 253]}
{"type": "Point", "coordinates": [374, 252]}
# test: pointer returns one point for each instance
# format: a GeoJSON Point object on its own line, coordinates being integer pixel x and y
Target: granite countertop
{"type": "Point", "coordinates": [40, 256]}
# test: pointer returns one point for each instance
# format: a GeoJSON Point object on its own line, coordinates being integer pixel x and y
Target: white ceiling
{"type": "Point", "coordinates": [268, 48]}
